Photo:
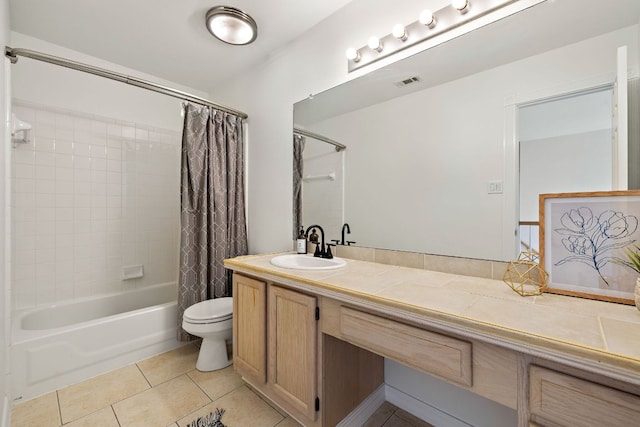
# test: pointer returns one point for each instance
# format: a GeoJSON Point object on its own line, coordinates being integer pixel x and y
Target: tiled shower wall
{"type": "Point", "coordinates": [91, 195]}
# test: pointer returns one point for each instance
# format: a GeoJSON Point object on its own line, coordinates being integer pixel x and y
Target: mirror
{"type": "Point", "coordinates": [432, 166]}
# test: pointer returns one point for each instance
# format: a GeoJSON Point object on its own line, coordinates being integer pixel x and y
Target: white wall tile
{"type": "Point", "coordinates": [81, 149]}
{"type": "Point", "coordinates": [44, 159]}
{"type": "Point", "coordinates": [24, 157]}
{"type": "Point", "coordinates": [63, 133]}
{"type": "Point", "coordinates": [88, 196]}
{"type": "Point", "coordinates": [45, 214]}
{"type": "Point", "coordinates": [98, 151]}
{"type": "Point", "coordinates": [82, 162]}
{"type": "Point", "coordinates": [64, 174]}
{"type": "Point", "coordinates": [62, 160]}
{"type": "Point", "coordinates": [45, 186]}
{"type": "Point", "coordinates": [64, 121]}
{"type": "Point", "coordinates": [45, 144]}
{"type": "Point", "coordinates": [64, 146]}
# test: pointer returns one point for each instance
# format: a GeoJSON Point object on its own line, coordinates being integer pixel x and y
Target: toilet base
{"type": "Point", "coordinates": [213, 355]}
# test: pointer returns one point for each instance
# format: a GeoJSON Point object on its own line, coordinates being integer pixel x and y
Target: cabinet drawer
{"type": "Point", "coordinates": [569, 401]}
{"type": "Point", "coordinates": [435, 354]}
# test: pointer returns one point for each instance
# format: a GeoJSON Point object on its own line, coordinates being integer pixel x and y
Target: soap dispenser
{"type": "Point", "coordinates": [301, 243]}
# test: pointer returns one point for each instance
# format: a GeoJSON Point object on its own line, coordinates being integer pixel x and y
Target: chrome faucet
{"type": "Point", "coordinates": [320, 251]}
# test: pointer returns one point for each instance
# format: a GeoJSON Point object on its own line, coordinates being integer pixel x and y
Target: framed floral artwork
{"type": "Point", "coordinates": [584, 239]}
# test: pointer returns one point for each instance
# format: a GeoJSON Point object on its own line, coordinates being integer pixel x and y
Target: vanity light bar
{"type": "Point", "coordinates": [459, 12]}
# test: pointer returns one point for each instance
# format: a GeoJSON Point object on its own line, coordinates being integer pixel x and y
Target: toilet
{"type": "Point", "coordinates": [212, 321]}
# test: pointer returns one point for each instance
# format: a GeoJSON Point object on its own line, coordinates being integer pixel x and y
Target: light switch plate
{"type": "Point", "coordinates": [494, 187]}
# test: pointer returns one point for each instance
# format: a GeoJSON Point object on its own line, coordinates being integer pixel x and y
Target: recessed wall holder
{"type": "Point", "coordinates": [445, 20]}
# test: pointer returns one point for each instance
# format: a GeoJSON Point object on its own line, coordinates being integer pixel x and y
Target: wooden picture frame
{"type": "Point", "coordinates": [583, 243]}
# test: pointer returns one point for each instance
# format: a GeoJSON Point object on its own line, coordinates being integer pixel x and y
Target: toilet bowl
{"type": "Point", "coordinates": [212, 321]}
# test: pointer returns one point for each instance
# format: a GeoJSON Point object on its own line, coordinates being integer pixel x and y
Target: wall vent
{"type": "Point", "coordinates": [408, 81]}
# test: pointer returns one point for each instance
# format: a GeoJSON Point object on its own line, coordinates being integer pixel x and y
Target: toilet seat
{"type": "Point", "coordinates": [210, 311]}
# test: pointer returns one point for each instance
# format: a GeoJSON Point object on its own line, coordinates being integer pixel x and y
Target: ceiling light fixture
{"type": "Point", "coordinates": [427, 18]}
{"type": "Point", "coordinates": [231, 25]}
{"type": "Point", "coordinates": [353, 54]}
{"type": "Point", "coordinates": [400, 32]}
{"type": "Point", "coordinates": [375, 43]}
{"type": "Point", "coordinates": [461, 5]}
{"type": "Point", "coordinates": [436, 27]}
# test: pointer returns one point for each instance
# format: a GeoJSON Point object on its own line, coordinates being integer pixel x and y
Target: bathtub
{"type": "Point", "coordinates": [62, 344]}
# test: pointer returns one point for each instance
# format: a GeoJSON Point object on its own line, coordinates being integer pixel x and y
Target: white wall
{"type": "Point", "coordinates": [323, 197]}
{"type": "Point", "coordinates": [4, 289]}
{"type": "Point", "coordinates": [267, 93]}
{"type": "Point", "coordinates": [51, 85]}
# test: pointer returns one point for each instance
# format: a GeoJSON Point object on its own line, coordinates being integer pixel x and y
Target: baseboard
{"type": "Point", "coordinates": [361, 414]}
{"type": "Point", "coordinates": [421, 409]}
{"type": "Point", "coordinates": [5, 421]}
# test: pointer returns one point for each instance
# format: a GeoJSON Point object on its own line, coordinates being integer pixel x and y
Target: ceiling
{"type": "Point", "coordinates": [167, 38]}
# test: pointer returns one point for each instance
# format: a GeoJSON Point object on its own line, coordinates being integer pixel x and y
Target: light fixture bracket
{"type": "Point", "coordinates": [448, 18]}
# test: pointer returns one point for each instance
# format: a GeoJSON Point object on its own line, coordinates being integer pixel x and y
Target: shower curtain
{"type": "Point", "coordinates": [298, 170]}
{"type": "Point", "coordinates": [213, 223]}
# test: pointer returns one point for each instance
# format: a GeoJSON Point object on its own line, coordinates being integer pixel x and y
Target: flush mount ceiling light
{"type": "Point", "coordinates": [231, 25]}
{"type": "Point", "coordinates": [436, 27]}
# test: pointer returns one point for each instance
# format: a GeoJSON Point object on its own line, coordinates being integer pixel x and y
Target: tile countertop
{"type": "Point", "coordinates": [595, 335]}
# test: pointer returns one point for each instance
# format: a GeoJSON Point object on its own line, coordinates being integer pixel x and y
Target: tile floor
{"type": "Point", "coordinates": [167, 391]}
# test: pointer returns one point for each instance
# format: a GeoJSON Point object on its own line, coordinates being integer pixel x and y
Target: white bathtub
{"type": "Point", "coordinates": [56, 346]}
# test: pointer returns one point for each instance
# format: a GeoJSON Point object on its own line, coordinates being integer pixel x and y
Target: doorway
{"type": "Point", "coordinates": [565, 145]}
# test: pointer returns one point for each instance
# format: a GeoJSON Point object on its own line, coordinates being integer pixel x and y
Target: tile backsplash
{"type": "Point", "coordinates": [91, 195]}
{"type": "Point", "coordinates": [442, 263]}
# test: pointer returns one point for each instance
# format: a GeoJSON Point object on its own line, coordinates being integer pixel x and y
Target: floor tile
{"type": "Point", "coordinates": [382, 414]}
{"type": "Point", "coordinates": [288, 422]}
{"type": "Point", "coordinates": [395, 421]}
{"type": "Point", "coordinates": [411, 419]}
{"type": "Point", "coordinates": [103, 418]}
{"type": "Point", "coordinates": [171, 364]}
{"type": "Point", "coordinates": [41, 411]}
{"type": "Point", "coordinates": [86, 397]}
{"type": "Point", "coordinates": [242, 408]}
{"type": "Point", "coordinates": [161, 405]}
{"type": "Point", "coordinates": [217, 383]}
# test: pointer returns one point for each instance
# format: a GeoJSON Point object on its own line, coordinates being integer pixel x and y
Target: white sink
{"type": "Point", "coordinates": [307, 262]}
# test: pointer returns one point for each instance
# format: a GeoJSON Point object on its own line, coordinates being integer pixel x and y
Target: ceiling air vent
{"type": "Point", "coordinates": [407, 81]}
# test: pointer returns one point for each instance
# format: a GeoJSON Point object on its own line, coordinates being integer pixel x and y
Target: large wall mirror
{"type": "Point", "coordinates": [433, 166]}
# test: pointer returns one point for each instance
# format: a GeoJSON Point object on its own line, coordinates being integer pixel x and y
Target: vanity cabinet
{"type": "Point", "coordinates": [558, 399]}
{"type": "Point", "coordinates": [249, 328]}
{"type": "Point", "coordinates": [317, 350]}
{"type": "Point", "coordinates": [275, 340]}
{"type": "Point", "coordinates": [293, 356]}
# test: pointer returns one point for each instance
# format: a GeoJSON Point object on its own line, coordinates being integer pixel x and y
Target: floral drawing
{"type": "Point", "coordinates": [591, 239]}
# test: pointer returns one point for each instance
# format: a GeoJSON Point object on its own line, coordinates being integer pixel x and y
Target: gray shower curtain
{"type": "Point", "coordinates": [298, 170]}
{"type": "Point", "coordinates": [213, 225]}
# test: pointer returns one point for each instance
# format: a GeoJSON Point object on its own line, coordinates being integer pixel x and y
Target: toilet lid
{"type": "Point", "coordinates": [213, 310]}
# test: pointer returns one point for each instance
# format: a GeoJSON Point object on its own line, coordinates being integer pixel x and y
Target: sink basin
{"type": "Point", "coordinates": [307, 262]}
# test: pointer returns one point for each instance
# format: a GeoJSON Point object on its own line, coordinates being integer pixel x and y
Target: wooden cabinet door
{"type": "Point", "coordinates": [292, 348]}
{"type": "Point", "coordinates": [250, 328]}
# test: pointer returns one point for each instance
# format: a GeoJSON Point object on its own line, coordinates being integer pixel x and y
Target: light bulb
{"type": "Point", "coordinates": [427, 18]}
{"type": "Point", "coordinates": [353, 55]}
{"type": "Point", "coordinates": [375, 44]}
{"type": "Point", "coordinates": [400, 32]}
{"type": "Point", "coordinates": [461, 5]}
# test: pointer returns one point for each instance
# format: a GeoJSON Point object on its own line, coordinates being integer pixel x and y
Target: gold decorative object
{"type": "Point", "coordinates": [525, 276]}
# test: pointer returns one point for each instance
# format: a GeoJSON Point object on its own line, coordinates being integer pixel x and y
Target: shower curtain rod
{"type": "Point", "coordinates": [339, 147]}
{"type": "Point", "coordinates": [13, 53]}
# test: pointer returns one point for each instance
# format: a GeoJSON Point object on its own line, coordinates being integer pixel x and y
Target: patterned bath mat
{"type": "Point", "coordinates": [211, 420]}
